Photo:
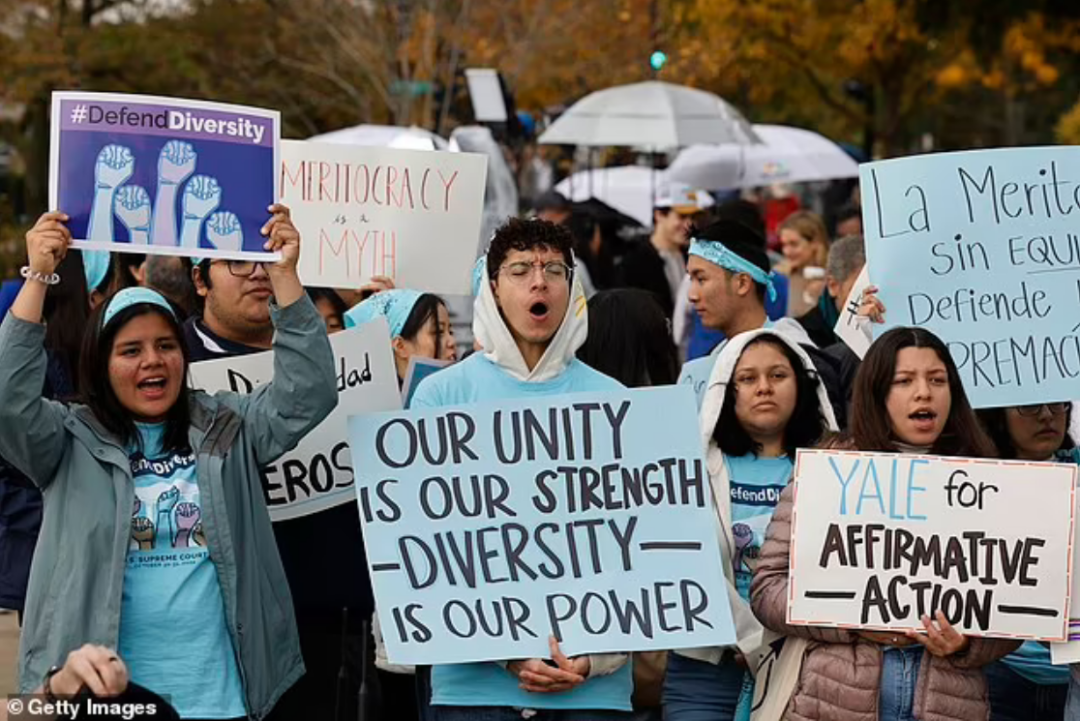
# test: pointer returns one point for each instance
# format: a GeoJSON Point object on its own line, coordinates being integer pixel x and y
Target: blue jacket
{"type": "Point", "coordinates": [83, 470]}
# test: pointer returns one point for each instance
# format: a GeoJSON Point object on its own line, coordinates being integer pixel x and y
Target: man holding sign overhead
{"type": "Point", "coordinates": [530, 318]}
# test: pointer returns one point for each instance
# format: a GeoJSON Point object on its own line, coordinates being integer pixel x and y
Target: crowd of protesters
{"type": "Point", "coordinates": [99, 422]}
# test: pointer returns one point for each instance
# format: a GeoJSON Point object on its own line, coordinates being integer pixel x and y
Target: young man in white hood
{"type": "Point", "coordinates": [729, 282]}
{"type": "Point", "coordinates": [530, 317]}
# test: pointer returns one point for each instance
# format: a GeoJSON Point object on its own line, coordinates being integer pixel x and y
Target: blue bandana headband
{"type": "Point", "coordinates": [95, 266]}
{"type": "Point", "coordinates": [133, 296]}
{"type": "Point", "coordinates": [394, 305]}
{"type": "Point", "coordinates": [479, 274]}
{"type": "Point", "coordinates": [716, 253]}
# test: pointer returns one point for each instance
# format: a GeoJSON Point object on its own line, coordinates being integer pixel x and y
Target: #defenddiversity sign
{"type": "Point", "coordinates": [491, 527]}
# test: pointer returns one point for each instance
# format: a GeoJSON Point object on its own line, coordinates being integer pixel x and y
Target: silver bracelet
{"type": "Point", "coordinates": [29, 274]}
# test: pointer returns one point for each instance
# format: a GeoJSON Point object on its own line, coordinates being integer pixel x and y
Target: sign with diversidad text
{"type": "Point", "coordinates": [318, 473]}
{"type": "Point", "coordinates": [491, 527]}
{"type": "Point", "coordinates": [881, 539]}
{"type": "Point", "coordinates": [163, 175]}
{"type": "Point", "coordinates": [983, 249]}
{"type": "Point", "coordinates": [412, 215]}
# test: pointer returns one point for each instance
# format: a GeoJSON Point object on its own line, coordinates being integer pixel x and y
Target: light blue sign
{"type": "Point", "coordinates": [588, 517]}
{"type": "Point", "coordinates": [983, 249]}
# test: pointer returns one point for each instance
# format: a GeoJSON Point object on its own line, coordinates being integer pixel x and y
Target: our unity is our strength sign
{"type": "Point", "coordinates": [491, 527]}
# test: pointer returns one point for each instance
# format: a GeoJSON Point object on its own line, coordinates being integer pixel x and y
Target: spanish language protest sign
{"type": "Point", "coordinates": [318, 473]}
{"type": "Point", "coordinates": [983, 249]}
{"type": "Point", "coordinates": [163, 175]}
{"type": "Point", "coordinates": [412, 215]}
{"type": "Point", "coordinates": [491, 527]}
{"type": "Point", "coordinates": [881, 539]}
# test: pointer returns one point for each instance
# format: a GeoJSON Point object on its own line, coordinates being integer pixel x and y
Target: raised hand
{"type": "Point", "coordinates": [114, 166]}
{"type": "Point", "coordinates": [187, 515]}
{"type": "Point", "coordinates": [224, 231]}
{"type": "Point", "coordinates": [284, 238]}
{"type": "Point", "coordinates": [47, 243]}
{"type": "Point", "coordinates": [167, 500]}
{"type": "Point", "coordinates": [202, 195]}
{"type": "Point", "coordinates": [133, 208]}
{"type": "Point", "coordinates": [176, 163]}
{"type": "Point", "coordinates": [142, 532]}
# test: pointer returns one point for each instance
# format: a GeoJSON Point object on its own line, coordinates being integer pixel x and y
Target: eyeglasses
{"type": "Point", "coordinates": [521, 271]}
{"type": "Point", "coordinates": [243, 268]}
{"type": "Point", "coordinates": [1055, 409]}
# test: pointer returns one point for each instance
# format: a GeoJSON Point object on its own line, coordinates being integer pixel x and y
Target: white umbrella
{"type": "Point", "coordinates": [626, 188]}
{"type": "Point", "coordinates": [653, 114]}
{"type": "Point", "coordinates": [385, 136]}
{"type": "Point", "coordinates": [786, 155]}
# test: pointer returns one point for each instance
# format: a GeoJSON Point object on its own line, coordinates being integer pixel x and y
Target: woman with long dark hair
{"type": "Point", "coordinates": [763, 401]}
{"type": "Point", "coordinates": [907, 399]}
{"type": "Point", "coordinates": [156, 540]}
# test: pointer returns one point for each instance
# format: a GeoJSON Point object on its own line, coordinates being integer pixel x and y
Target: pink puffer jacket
{"type": "Point", "coordinates": [841, 674]}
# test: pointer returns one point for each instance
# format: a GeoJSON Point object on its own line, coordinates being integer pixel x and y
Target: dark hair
{"type": "Point", "coordinates": [170, 275]}
{"type": "Point", "coordinates": [745, 212]}
{"type": "Point", "coordinates": [204, 272]}
{"type": "Point", "coordinates": [96, 389]}
{"type": "Point", "coordinates": [330, 296]}
{"type": "Point", "coordinates": [847, 212]}
{"type": "Point", "coordinates": [629, 339]}
{"type": "Point", "coordinates": [425, 309]}
{"type": "Point", "coordinates": [67, 307]}
{"type": "Point", "coordinates": [806, 425]}
{"type": "Point", "coordinates": [869, 424]}
{"type": "Point", "coordinates": [552, 200]}
{"type": "Point", "coordinates": [997, 427]}
{"type": "Point", "coordinates": [518, 234]}
{"type": "Point", "coordinates": [118, 274]}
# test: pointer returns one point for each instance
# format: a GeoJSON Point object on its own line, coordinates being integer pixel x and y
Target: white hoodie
{"type": "Point", "coordinates": [749, 631]}
{"type": "Point", "coordinates": [501, 349]}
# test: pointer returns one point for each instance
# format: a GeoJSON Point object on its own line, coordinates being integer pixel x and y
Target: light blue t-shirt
{"type": "Point", "coordinates": [756, 485]}
{"type": "Point", "coordinates": [173, 634]}
{"type": "Point", "coordinates": [475, 380]}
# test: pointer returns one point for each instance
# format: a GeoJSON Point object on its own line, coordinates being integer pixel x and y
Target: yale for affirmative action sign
{"type": "Point", "coordinates": [983, 249]}
{"type": "Point", "coordinates": [589, 518]}
{"type": "Point", "coordinates": [881, 539]}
